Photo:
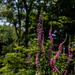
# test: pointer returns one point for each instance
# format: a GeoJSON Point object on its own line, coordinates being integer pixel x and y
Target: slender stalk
{"type": "Point", "coordinates": [74, 67]}
{"type": "Point", "coordinates": [69, 43]}
{"type": "Point", "coordinates": [71, 72]}
{"type": "Point", "coordinates": [51, 26]}
{"type": "Point", "coordinates": [63, 52]}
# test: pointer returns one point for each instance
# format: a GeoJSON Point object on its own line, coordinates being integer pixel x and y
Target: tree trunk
{"type": "Point", "coordinates": [18, 42]}
{"type": "Point", "coordinates": [26, 32]}
{"type": "Point", "coordinates": [28, 9]}
{"type": "Point", "coordinates": [19, 29]}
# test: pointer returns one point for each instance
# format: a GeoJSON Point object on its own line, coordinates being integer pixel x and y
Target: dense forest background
{"type": "Point", "coordinates": [18, 34]}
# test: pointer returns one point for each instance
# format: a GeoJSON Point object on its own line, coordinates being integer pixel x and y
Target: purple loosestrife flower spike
{"type": "Point", "coordinates": [70, 57]}
{"type": "Point", "coordinates": [59, 48]}
{"type": "Point", "coordinates": [53, 66]}
{"type": "Point", "coordinates": [70, 53]}
{"type": "Point", "coordinates": [56, 69]}
{"type": "Point", "coordinates": [65, 72]}
{"type": "Point", "coordinates": [37, 73]}
{"type": "Point", "coordinates": [59, 51]}
{"type": "Point", "coordinates": [51, 39]}
{"type": "Point", "coordinates": [69, 49]}
{"type": "Point", "coordinates": [51, 63]}
{"type": "Point", "coordinates": [37, 48]}
{"type": "Point", "coordinates": [37, 60]}
{"type": "Point", "coordinates": [57, 55]}
{"type": "Point", "coordinates": [29, 55]}
{"type": "Point", "coordinates": [50, 35]}
{"type": "Point", "coordinates": [39, 30]}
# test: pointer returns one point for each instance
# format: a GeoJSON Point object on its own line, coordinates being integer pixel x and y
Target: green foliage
{"type": "Point", "coordinates": [58, 13]}
{"type": "Point", "coordinates": [17, 64]}
{"type": "Point", "coordinates": [61, 21]}
{"type": "Point", "coordinates": [7, 49]}
{"type": "Point", "coordinates": [7, 34]}
{"type": "Point", "coordinates": [13, 63]}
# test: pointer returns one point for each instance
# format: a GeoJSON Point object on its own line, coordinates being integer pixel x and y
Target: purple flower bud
{"type": "Point", "coordinates": [59, 51]}
{"type": "Point", "coordinates": [69, 49]}
{"type": "Point", "coordinates": [63, 54]}
{"type": "Point", "coordinates": [56, 69]}
{"type": "Point", "coordinates": [51, 62]}
{"type": "Point", "coordinates": [53, 66]}
{"type": "Point", "coordinates": [37, 60]}
{"type": "Point", "coordinates": [57, 55]}
{"type": "Point", "coordinates": [40, 17]}
{"type": "Point", "coordinates": [70, 57]}
{"type": "Point", "coordinates": [29, 55]}
{"type": "Point", "coordinates": [37, 73]}
{"type": "Point", "coordinates": [65, 72]}
{"type": "Point", "coordinates": [70, 53]}
{"type": "Point", "coordinates": [50, 35]}
{"type": "Point", "coordinates": [37, 48]}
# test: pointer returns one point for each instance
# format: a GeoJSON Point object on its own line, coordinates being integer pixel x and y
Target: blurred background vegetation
{"type": "Point", "coordinates": [18, 28]}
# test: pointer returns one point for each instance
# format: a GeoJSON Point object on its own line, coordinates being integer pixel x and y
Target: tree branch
{"type": "Point", "coordinates": [30, 6]}
{"type": "Point", "coordinates": [16, 29]}
{"type": "Point", "coordinates": [25, 5]}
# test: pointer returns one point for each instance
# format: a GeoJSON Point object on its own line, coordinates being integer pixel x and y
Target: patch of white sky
{"type": "Point", "coordinates": [4, 22]}
{"type": "Point", "coordinates": [42, 2]}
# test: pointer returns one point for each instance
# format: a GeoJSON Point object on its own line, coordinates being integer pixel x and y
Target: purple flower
{"type": "Point", "coordinates": [57, 55]}
{"type": "Point", "coordinates": [59, 51]}
{"type": "Point", "coordinates": [70, 53]}
{"type": "Point", "coordinates": [63, 54]}
{"type": "Point", "coordinates": [69, 49]}
{"type": "Point", "coordinates": [51, 63]}
{"type": "Point", "coordinates": [65, 72]}
{"type": "Point", "coordinates": [37, 48]}
{"type": "Point", "coordinates": [53, 66]}
{"type": "Point", "coordinates": [37, 60]}
{"type": "Point", "coordinates": [50, 35]}
{"type": "Point", "coordinates": [51, 39]}
{"type": "Point", "coordinates": [70, 57]}
{"type": "Point", "coordinates": [40, 17]}
{"type": "Point", "coordinates": [56, 69]}
{"type": "Point", "coordinates": [39, 30]}
{"type": "Point", "coordinates": [29, 55]}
